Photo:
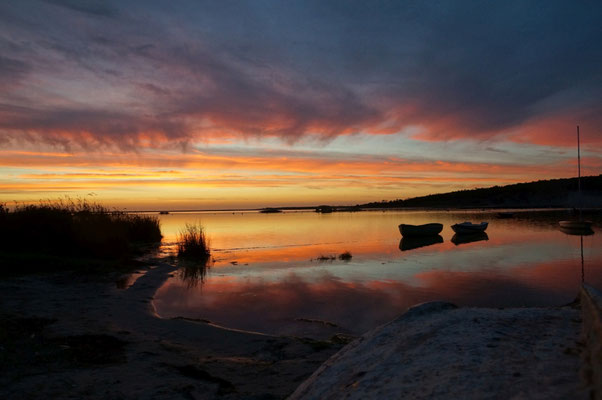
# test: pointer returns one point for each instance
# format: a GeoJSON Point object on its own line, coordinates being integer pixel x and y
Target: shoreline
{"type": "Point", "coordinates": [180, 358]}
{"type": "Point", "coordinates": [162, 358]}
{"type": "Point", "coordinates": [346, 209]}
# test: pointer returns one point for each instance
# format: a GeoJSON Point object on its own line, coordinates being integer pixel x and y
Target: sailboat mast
{"type": "Point", "coordinates": [578, 162]}
{"type": "Point", "coordinates": [579, 175]}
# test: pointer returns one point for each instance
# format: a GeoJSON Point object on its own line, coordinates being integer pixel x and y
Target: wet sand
{"type": "Point", "coordinates": [161, 358]}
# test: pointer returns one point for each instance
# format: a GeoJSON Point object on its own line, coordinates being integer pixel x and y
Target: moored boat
{"type": "Point", "coordinates": [576, 225]}
{"type": "Point", "coordinates": [407, 230]}
{"type": "Point", "coordinates": [469, 227]}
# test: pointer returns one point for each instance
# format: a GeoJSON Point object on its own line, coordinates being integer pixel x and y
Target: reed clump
{"type": "Point", "coordinates": [74, 228]}
{"type": "Point", "coordinates": [193, 243]}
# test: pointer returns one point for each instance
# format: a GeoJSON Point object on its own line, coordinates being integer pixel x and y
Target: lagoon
{"type": "Point", "coordinates": [267, 277]}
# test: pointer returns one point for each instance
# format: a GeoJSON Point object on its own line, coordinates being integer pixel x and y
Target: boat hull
{"type": "Point", "coordinates": [467, 228]}
{"type": "Point", "coordinates": [407, 230]}
{"type": "Point", "coordinates": [575, 224]}
{"type": "Point", "coordinates": [578, 228]}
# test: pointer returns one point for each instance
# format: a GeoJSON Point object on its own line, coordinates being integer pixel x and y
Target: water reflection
{"type": "Point", "coordinates": [411, 243]}
{"type": "Point", "coordinates": [469, 238]}
{"type": "Point", "coordinates": [193, 273]}
{"type": "Point", "coordinates": [265, 277]}
{"type": "Point", "coordinates": [577, 231]}
{"type": "Point", "coordinates": [283, 306]}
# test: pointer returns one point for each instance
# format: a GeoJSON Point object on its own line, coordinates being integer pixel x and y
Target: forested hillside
{"type": "Point", "coordinates": [547, 193]}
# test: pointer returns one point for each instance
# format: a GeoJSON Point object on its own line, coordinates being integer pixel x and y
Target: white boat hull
{"type": "Point", "coordinates": [575, 224]}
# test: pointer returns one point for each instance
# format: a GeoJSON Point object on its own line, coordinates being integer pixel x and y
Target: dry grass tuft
{"type": "Point", "coordinates": [193, 243]}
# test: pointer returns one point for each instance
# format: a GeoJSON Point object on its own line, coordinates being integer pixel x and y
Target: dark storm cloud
{"type": "Point", "coordinates": [11, 72]}
{"type": "Point", "coordinates": [495, 65]}
{"type": "Point", "coordinates": [294, 68]}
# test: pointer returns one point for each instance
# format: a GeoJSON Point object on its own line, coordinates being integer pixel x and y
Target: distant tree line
{"type": "Point", "coordinates": [543, 193]}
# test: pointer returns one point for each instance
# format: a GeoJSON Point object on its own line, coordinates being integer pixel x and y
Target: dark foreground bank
{"type": "Point", "coordinates": [65, 338]}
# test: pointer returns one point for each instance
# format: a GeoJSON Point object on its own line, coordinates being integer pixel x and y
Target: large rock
{"type": "Point", "coordinates": [436, 350]}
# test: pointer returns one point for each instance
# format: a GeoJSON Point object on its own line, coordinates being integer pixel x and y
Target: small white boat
{"type": "Point", "coordinates": [576, 224]}
{"type": "Point", "coordinates": [469, 227]}
{"type": "Point", "coordinates": [407, 230]}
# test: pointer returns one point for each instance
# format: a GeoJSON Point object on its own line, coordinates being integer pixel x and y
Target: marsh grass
{"type": "Point", "coordinates": [193, 243]}
{"type": "Point", "coordinates": [194, 254]}
{"type": "Point", "coordinates": [73, 229]}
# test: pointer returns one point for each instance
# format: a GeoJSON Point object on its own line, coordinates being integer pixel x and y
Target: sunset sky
{"type": "Point", "coordinates": [225, 104]}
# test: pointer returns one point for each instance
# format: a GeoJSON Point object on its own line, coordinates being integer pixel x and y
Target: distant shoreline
{"type": "Point", "coordinates": [343, 209]}
{"type": "Point", "coordinates": [557, 194]}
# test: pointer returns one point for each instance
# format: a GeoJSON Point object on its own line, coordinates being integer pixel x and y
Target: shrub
{"type": "Point", "coordinates": [192, 243]}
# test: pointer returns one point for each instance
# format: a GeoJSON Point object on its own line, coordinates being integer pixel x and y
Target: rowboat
{"type": "Point", "coordinates": [576, 225]}
{"type": "Point", "coordinates": [407, 230]}
{"type": "Point", "coordinates": [469, 227]}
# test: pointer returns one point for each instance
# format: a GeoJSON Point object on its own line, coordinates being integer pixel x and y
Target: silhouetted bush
{"type": "Point", "coordinates": [192, 243]}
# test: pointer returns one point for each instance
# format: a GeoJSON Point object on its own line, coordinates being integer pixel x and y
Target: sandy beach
{"type": "Point", "coordinates": [88, 339]}
{"type": "Point", "coordinates": [85, 338]}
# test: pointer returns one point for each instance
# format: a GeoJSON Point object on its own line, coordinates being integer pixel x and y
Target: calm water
{"type": "Point", "coordinates": [267, 277]}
